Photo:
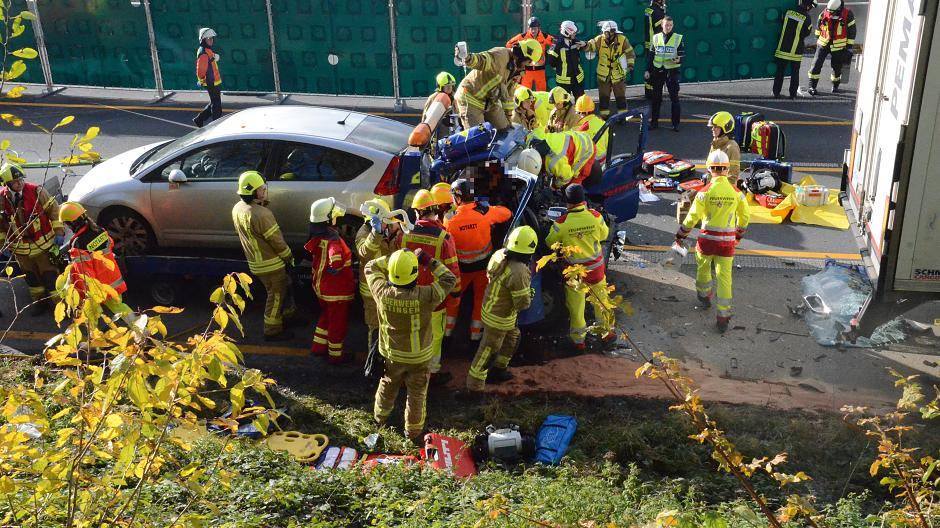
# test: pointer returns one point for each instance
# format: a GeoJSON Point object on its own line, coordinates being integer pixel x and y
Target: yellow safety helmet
{"type": "Point", "coordinates": [531, 49]}
{"type": "Point", "coordinates": [422, 200]}
{"type": "Point", "coordinates": [402, 267]}
{"type": "Point", "coordinates": [443, 79]}
{"type": "Point", "coordinates": [559, 95]}
{"type": "Point", "coordinates": [723, 120]}
{"type": "Point", "coordinates": [375, 206]}
{"type": "Point", "coordinates": [71, 211]}
{"type": "Point", "coordinates": [522, 240]}
{"type": "Point", "coordinates": [584, 105]}
{"type": "Point", "coordinates": [249, 182]}
{"type": "Point", "coordinates": [522, 94]}
{"type": "Point", "coordinates": [10, 172]}
{"type": "Point", "coordinates": [717, 158]}
{"type": "Point", "coordinates": [440, 192]}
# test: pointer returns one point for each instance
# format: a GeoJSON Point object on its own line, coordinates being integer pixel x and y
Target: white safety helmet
{"type": "Point", "coordinates": [569, 29]}
{"type": "Point", "coordinates": [717, 158]}
{"type": "Point", "coordinates": [834, 5]}
{"type": "Point", "coordinates": [609, 25]}
{"type": "Point", "coordinates": [326, 210]}
{"type": "Point", "coordinates": [530, 161]}
{"type": "Point", "coordinates": [206, 33]}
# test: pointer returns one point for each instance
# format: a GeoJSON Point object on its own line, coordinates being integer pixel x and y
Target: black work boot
{"type": "Point", "coordinates": [835, 87]}
{"type": "Point", "coordinates": [498, 375]}
{"type": "Point", "coordinates": [440, 378]}
{"type": "Point", "coordinates": [722, 324]}
{"type": "Point", "coordinates": [705, 301]}
{"type": "Point", "coordinates": [283, 335]}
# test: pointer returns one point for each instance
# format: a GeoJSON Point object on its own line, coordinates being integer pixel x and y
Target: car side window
{"type": "Point", "coordinates": [317, 163]}
{"type": "Point", "coordinates": [222, 161]}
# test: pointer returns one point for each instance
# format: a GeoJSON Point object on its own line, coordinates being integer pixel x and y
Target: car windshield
{"type": "Point", "coordinates": [152, 156]}
{"type": "Point", "coordinates": [381, 134]}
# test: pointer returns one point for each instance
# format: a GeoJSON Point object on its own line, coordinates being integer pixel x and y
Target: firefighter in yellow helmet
{"type": "Point", "coordinates": [721, 125]}
{"type": "Point", "coordinates": [376, 238]}
{"type": "Point", "coordinates": [29, 226]}
{"type": "Point", "coordinates": [723, 213]}
{"type": "Point", "coordinates": [485, 93]}
{"type": "Point", "coordinates": [446, 84]}
{"type": "Point", "coordinates": [269, 257]}
{"type": "Point", "coordinates": [508, 292]}
{"type": "Point", "coordinates": [615, 59]}
{"type": "Point", "coordinates": [590, 123]}
{"type": "Point", "coordinates": [532, 110]}
{"type": "Point", "coordinates": [443, 200]}
{"type": "Point", "coordinates": [563, 117]}
{"type": "Point", "coordinates": [586, 230]}
{"type": "Point", "coordinates": [404, 310]}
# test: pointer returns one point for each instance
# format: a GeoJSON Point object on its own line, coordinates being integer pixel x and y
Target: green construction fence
{"type": "Point", "coordinates": [106, 43]}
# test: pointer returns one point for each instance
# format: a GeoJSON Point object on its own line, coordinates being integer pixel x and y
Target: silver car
{"type": "Point", "coordinates": [180, 193]}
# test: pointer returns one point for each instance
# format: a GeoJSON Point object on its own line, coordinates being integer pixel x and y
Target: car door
{"type": "Point", "coordinates": [198, 211]}
{"type": "Point", "coordinates": [301, 173]}
{"type": "Point", "coordinates": [624, 154]}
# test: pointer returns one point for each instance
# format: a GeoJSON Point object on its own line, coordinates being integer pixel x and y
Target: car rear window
{"type": "Point", "coordinates": [381, 134]}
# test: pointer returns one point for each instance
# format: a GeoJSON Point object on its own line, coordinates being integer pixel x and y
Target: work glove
{"type": "Point", "coordinates": [423, 257]}
{"type": "Point", "coordinates": [218, 57]}
{"type": "Point", "coordinates": [376, 224]}
{"type": "Point", "coordinates": [646, 76]}
{"type": "Point", "coordinates": [60, 239]}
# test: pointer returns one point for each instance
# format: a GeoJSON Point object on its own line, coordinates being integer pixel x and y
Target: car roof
{"type": "Point", "coordinates": [300, 120]}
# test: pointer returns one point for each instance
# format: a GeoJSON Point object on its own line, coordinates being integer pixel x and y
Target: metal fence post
{"type": "Point", "coordinates": [278, 98]}
{"type": "Point", "coordinates": [396, 86]}
{"type": "Point", "coordinates": [154, 56]}
{"type": "Point", "coordinates": [33, 7]}
{"type": "Point", "coordinates": [526, 13]}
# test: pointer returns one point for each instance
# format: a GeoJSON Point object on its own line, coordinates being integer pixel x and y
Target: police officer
{"type": "Point", "coordinates": [404, 309]}
{"type": "Point", "coordinates": [376, 238]}
{"type": "Point", "coordinates": [584, 229]}
{"type": "Point", "coordinates": [485, 93]}
{"type": "Point", "coordinates": [534, 75]}
{"type": "Point", "coordinates": [565, 57]}
{"type": "Point", "coordinates": [29, 226]}
{"type": "Point", "coordinates": [653, 16]}
{"type": "Point", "coordinates": [723, 213]}
{"type": "Point", "coordinates": [795, 28]}
{"type": "Point", "coordinates": [207, 74]}
{"type": "Point", "coordinates": [508, 292]}
{"type": "Point", "coordinates": [664, 60]}
{"type": "Point", "coordinates": [563, 116]}
{"type": "Point", "coordinates": [268, 255]}
{"type": "Point", "coordinates": [836, 31]}
{"type": "Point", "coordinates": [615, 59]}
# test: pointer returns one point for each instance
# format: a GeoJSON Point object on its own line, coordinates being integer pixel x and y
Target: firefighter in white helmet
{"type": "Point", "coordinates": [723, 213]}
{"type": "Point", "coordinates": [207, 74]}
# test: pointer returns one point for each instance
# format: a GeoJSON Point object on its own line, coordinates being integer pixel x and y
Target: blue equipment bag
{"type": "Point", "coordinates": [467, 142]}
{"type": "Point", "coordinates": [742, 128]}
{"type": "Point", "coordinates": [554, 437]}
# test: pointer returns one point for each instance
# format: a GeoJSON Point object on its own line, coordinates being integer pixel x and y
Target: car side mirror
{"type": "Point", "coordinates": [178, 176]}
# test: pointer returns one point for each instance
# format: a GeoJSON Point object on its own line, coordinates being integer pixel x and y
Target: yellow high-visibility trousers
{"type": "Point", "coordinates": [414, 376]}
{"type": "Point", "coordinates": [705, 284]}
{"type": "Point", "coordinates": [575, 301]}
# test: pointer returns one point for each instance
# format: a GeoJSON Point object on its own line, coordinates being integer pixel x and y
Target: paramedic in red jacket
{"type": "Point", "coordinates": [332, 276]}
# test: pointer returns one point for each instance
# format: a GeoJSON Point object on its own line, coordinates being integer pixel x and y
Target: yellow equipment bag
{"type": "Point", "coordinates": [305, 448]}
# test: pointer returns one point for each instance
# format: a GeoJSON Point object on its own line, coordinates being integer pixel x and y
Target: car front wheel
{"type": "Point", "coordinates": [131, 233]}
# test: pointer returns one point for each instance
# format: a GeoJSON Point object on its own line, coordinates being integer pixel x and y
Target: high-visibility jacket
{"type": "Point", "coordinates": [592, 124]}
{"type": "Point", "coordinates": [488, 79]}
{"type": "Point", "coordinates": [566, 61]}
{"type": "Point", "coordinates": [544, 39]}
{"type": "Point", "coordinates": [370, 246]}
{"type": "Point", "coordinates": [837, 34]}
{"type": "Point", "coordinates": [796, 27]}
{"type": "Point", "coordinates": [29, 225]}
{"type": "Point", "coordinates": [431, 236]}
{"type": "Point", "coordinates": [724, 215]}
{"type": "Point", "coordinates": [509, 291]}
{"type": "Point", "coordinates": [609, 68]}
{"type": "Point", "coordinates": [261, 238]}
{"type": "Point", "coordinates": [654, 15]}
{"type": "Point", "coordinates": [405, 313]}
{"type": "Point", "coordinates": [331, 266]}
{"type": "Point", "coordinates": [571, 157]}
{"type": "Point", "coordinates": [471, 227]}
{"type": "Point", "coordinates": [207, 67]}
{"type": "Point", "coordinates": [92, 254]}
{"type": "Point", "coordinates": [540, 118]}
{"type": "Point", "coordinates": [586, 230]}
{"type": "Point", "coordinates": [667, 53]}
{"type": "Point", "coordinates": [730, 147]}
{"type": "Point", "coordinates": [565, 119]}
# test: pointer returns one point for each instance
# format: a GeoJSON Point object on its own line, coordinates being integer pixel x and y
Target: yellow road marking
{"type": "Point", "coordinates": [800, 169]}
{"type": "Point", "coordinates": [259, 350]}
{"type": "Point", "coordinates": [766, 253]}
{"type": "Point", "coordinates": [388, 114]}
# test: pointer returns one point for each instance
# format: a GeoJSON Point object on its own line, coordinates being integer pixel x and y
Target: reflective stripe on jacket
{"type": "Point", "coordinates": [509, 291]}
{"type": "Point", "coordinates": [29, 224]}
{"type": "Point", "coordinates": [405, 313]}
{"type": "Point", "coordinates": [471, 227]}
{"type": "Point", "coordinates": [487, 79]}
{"type": "Point", "coordinates": [369, 246]}
{"type": "Point", "coordinates": [92, 256]}
{"type": "Point", "coordinates": [586, 230]}
{"type": "Point", "coordinates": [795, 28]}
{"type": "Point", "coordinates": [608, 57]}
{"type": "Point", "coordinates": [666, 53]}
{"type": "Point", "coordinates": [564, 119]}
{"type": "Point", "coordinates": [592, 124]}
{"type": "Point", "coordinates": [654, 15]}
{"type": "Point", "coordinates": [331, 267]}
{"type": "Point", "coordinates": [431, 236]}
{"type": "Point", "coordinates": [261, 237]}
{"type": "Point", "coordinates": [207, 68]}
{"type": "Point", "coordinates": [837, 34]}
{"type": "Point", "coordinates": [571, 151]}
{"type": "Point", "coordinates": [566, 62]}
{"type": "Point", "coordinates": [723, 213]}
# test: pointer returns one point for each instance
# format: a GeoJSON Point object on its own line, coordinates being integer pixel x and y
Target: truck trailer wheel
{"type": "Point", "coordinates": [166, 290]}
